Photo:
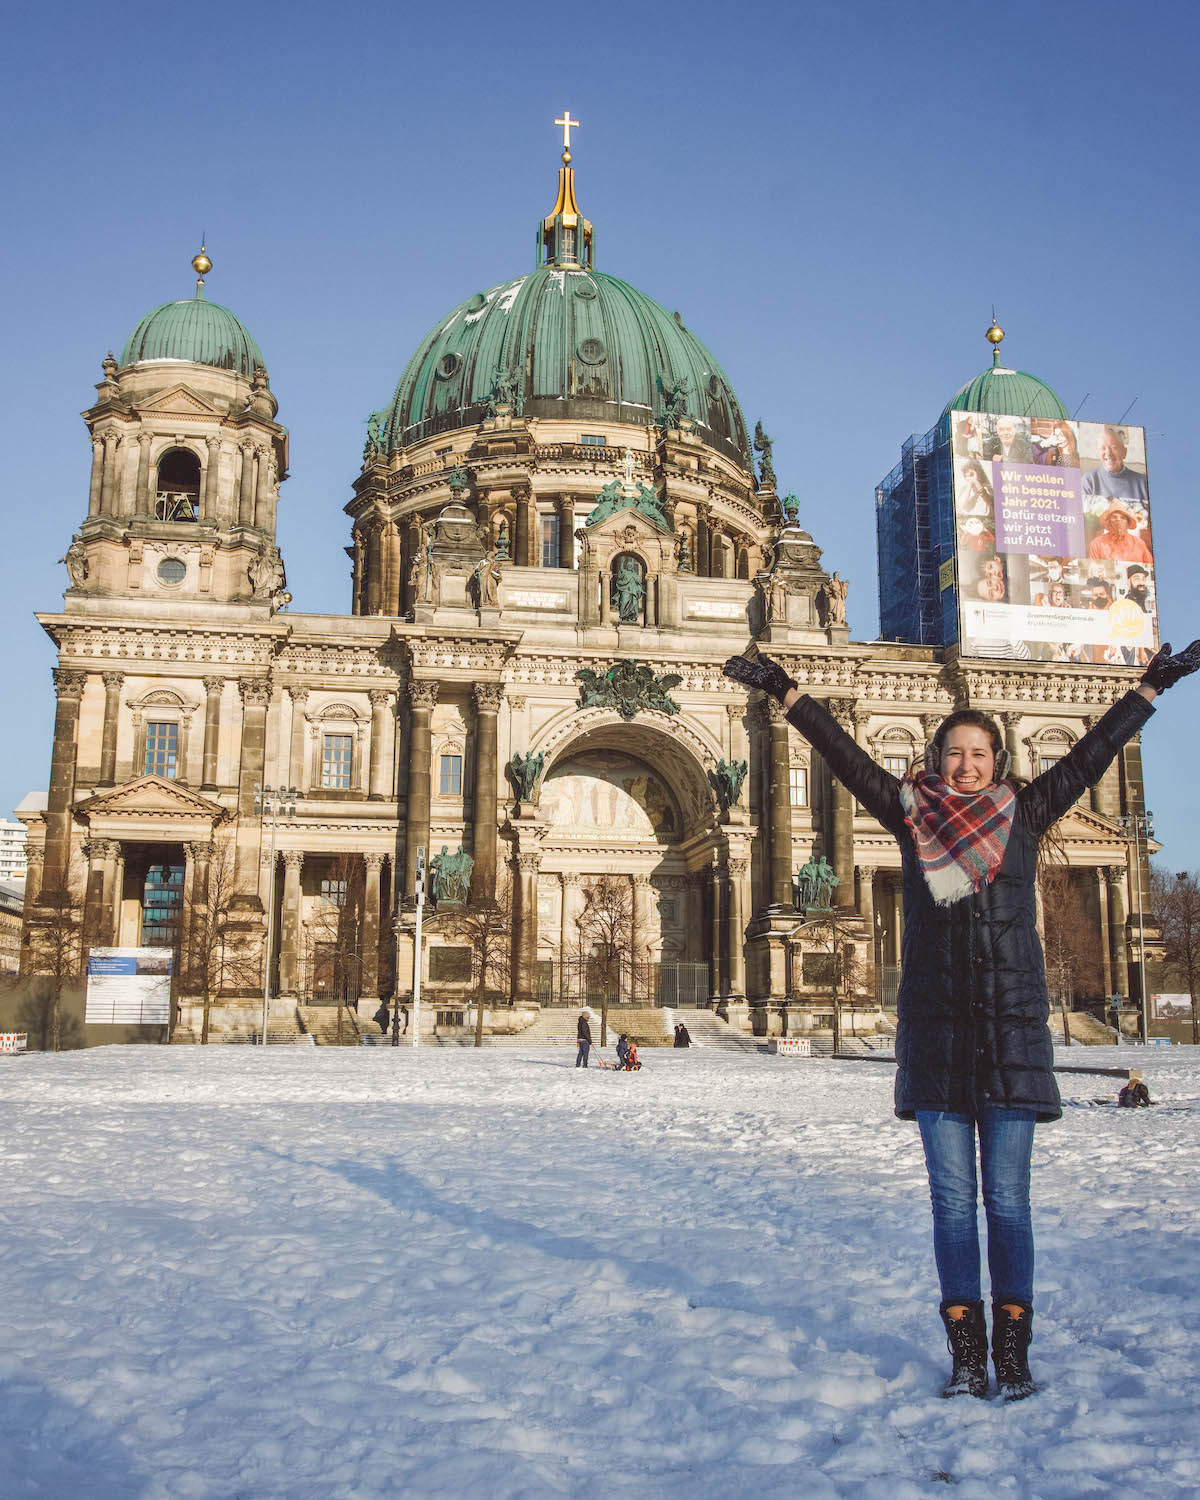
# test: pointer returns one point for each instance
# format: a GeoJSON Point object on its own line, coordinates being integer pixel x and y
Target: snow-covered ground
{"type": "Point", "coordinates": [352, 1274]}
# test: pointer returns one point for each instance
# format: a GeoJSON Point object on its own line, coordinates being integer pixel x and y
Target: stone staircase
{"type": "Point", "coordinates": [709, 1031]}
{"type": "Point", "coordinates": [321, 1023]}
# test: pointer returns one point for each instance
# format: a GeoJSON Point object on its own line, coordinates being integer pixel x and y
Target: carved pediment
{"type": "Point", "coordinates": [1082, 823]}
{"type": "Point", "coordinates": [150, 796]}
{"type": "Point", "coordinates": [179, 401]}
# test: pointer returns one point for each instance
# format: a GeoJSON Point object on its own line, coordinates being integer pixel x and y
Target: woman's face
{"type": "Point", "coordinates": [968, 760]}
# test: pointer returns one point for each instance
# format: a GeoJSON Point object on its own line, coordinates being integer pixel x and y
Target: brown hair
{"type": "Point", "coordinates": [973, 718]}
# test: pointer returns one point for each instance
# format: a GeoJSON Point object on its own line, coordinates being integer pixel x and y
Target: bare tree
{"type": "Point", "coordinates": [208, 964]}
{"type": "Point", "coordinates": [1175, 906]}
{"type": "Point", "coordinates": [605, 926]}
{"type": "Point", "coordinates": [485, 926]}
{"type": "Point", "coordinates": [1073, 960]}
{"type": "Point", "coordinates": [334, 934]}
{"type": "Point", "coordinates": [62, 935]}
{"type": "Point", "coordinates": [832, 934]}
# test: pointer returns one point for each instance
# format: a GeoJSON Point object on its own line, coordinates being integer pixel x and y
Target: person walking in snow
{"type": "Point", "coordinates": [973, 1050]}
{"type": "Point", "coordinates": [584, 1033]}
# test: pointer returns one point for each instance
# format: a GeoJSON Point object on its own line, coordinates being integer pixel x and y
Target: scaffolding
{"type": "Point", "coordinates": [914, 525]}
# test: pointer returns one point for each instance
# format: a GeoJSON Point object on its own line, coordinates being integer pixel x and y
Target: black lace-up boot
{"type": "Point", "coordinates": [966, 1339]}
{"type": "Point", "coordinates": [1012, 1330]}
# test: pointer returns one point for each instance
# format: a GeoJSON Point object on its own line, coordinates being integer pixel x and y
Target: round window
{"type": "Point", "coordinates": [477, 303]}
{"type": "Point", "coordinates": [171, 571]}
{"type": "Point", "coordinates": [448, 365]}
{"type": "Point", "coordinates": [592, 352]}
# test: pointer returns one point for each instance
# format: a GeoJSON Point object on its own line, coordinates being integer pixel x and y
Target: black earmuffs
{"type": "Point", "coordinates": [933, 762]}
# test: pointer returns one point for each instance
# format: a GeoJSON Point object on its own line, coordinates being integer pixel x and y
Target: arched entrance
{"type": "Point", "coordinates": [628, 827]}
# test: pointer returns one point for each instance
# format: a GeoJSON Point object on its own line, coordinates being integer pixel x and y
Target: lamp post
{"type": "Point", "coordinates": [419, 884]}
{"type": "Point", "coordinates": [1135, 827]}
{"type": "Point", "coordinates": [270, 803]}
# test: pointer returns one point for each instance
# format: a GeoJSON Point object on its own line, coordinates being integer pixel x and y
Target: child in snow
{"type": "Point", "coordinates": [973, 1050]}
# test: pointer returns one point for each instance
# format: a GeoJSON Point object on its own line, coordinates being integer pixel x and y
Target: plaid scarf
{"type": "Point", "coordinates": [960, 837]}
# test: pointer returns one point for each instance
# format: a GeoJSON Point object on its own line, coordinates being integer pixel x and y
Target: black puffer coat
{"type": "Point", "coordinates": [973, 1007]}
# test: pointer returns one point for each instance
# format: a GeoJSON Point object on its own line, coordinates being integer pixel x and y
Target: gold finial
{"type": "Point", "coordinates": [202, 266]}
{"type": "Point", "coordinates": [994, 335]}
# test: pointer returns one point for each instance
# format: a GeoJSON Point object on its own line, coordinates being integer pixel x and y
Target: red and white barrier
{"type": "Point", "coordinates": [13, 1041]}
{"type": "Point", "coordinates": [791, 1046]}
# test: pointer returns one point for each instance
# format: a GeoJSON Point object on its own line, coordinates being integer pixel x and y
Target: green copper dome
{"type": "Point", "coordinates": [564, 343]}
{"type": "Point", "coordinates": [196, 332]}
{"type": "Point", "coordinates": [1009, 393]}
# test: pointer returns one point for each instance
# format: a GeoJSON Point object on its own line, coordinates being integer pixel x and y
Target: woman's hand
{"type": "Point", "coordinates": [1165, 670]}
{"type": "Point", "coordinates": [766, 675]}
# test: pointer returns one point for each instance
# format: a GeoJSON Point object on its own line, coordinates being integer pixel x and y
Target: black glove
{"type": "Point", "coordinates": [1165, 670]}
{"type": "Point", "coordinates": [763, 673]}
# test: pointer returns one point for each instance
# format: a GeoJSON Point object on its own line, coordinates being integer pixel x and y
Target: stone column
{"type": "Point", "coordinates": [381, 759]}
{"type": "Point", "coordinates": [212, 475]}
{"type": "Point", "coordinates": [739, 869]}
{"type": "Point", "coordinates": [299, 697]}
{"type": "Point", "coordinates": [1106, 794]}
{"type": "Point", "coordinates": [1105, 934]}
{"type": "Point", "coordinates": [1115, 876]}
{"type": "Point", "coordinates": [843, 821]}
{"type": "Point", "coordinates": [256, 695]}
{"type": "Point", "coordinates": [527, 539]}
{"type": "Point", "coordinates": [779, 801]}
{"type": "Point", "coordinates": [898, 919]}
{"type": "Point", "coordinates": [569, 887]}
{"type": "Point", "coordinates": [566, 531]}
{"type": "Point", "coordinates": [483, 831]}
{"type": "Point", "coordinates": [866, 910]}
{"type": "Point", "coordinates": [98, 856]}
{"type": "Point", "coordinates": [201, 935]}
{"type": "Point", "coordinates": [107, 935]}
{"type": "Point", "coordinates": [69, 688]}
{"type": "Point", "coordinates": [373, 863]}
{"type": "Point", "coordinates": [422, 697]}
{"type": "Point", "coordinates": [703, 559]}
{"type": "Point", "coordinates": [246, 486]}
{"type": "Point", "coordinates": [262, 492]}
{"type": "Point", "coordinates": [289, 920]}
{"type": "Point", "coordinates": [213, 688]}
{"type": "Point", "coordinates": [110, 488]}
{"type": "Point", "coordinates": [526, 924]}
{"type": "Point", "coordinates": [392, 570]}
{"type": "Point", "coordinates": [1012, 738]}
{"type": "Point", "coordinates": [97, 485]}
{"type": "Point", "coordinates": [108, 739]}
{"type": "Point", "coordinates": [717, 877]}
{"type": "Point", "coordinates": [143, 501]}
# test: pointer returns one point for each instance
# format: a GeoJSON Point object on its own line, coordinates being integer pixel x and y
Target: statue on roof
{"type": "Point", "coordinates": [507, 392]}
{"type": "Point", "coordinates": [729, 776]}
{"type": "Point", "coordinates": [376, 436]}
{"type": "Point", "coordinates": [764, 445]}
{"type": "Point", "coordinates": [672, 400]}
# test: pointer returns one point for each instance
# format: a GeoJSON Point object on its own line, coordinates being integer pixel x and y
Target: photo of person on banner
{"type": "Point", "coordinates": [1054, 444]}
{"type": "Point", "coordinates": [975, 496]}
{"type": "Point", "coordinates": [1009, 441]}
{"type": "Point", "coordinates": [1117, 540]}
{"type": "Point", "coordinates": [1117, 473]}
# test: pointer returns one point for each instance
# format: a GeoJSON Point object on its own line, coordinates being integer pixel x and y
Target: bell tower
{"type": "Point", "coordinates": [187, 460]}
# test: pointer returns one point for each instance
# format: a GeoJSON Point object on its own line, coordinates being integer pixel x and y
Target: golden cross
{"type": "Point", "coordinates": [568, 125]}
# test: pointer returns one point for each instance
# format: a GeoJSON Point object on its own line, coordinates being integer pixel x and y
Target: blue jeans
{"type": "Point", "coordinates": [1005, 1148]}
{"type": "Point", "coordinates": [581, 1057]}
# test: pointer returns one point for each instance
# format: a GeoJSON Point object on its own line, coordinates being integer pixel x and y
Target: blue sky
{"type": "Point", "coordinates": [834, 196]}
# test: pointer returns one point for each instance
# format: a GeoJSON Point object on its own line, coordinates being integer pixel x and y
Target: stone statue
{"type": "Point", "coordinates": [506, 392]}
{"type": "Point", "coordinates": [835, 600]}
{"type": "Point", "coordinates": [376, 440]}
{"type": "Point", "coordinates": [630, 591]}
{"type": "Point", "coordinates": [267, 575]}
{"type": "Point", "coordinates": [76, 562]}
{"type": "Point", "coordinates": [611, 499]}
{"type": "Point", "coordinates": [450, 876]}
{"type": "Point", "coordinates": [806, 885]}
{"type": "Point", "coordinates": [628, 686]}
{"type": "Point", "coordinates": [824, 881]}
{"type": "Point", "coordinates": [673, 401]}
{"type": "Point", "coordinates": [777, 598]}
{"type": "Point", "coordinates": [487, 583]}
{"type": "Point", "coordinates": [764, 445]}
{"type": "Point", "coordinates": [526, 772]}
{"type": "Point", "coordinates": [729, 777]}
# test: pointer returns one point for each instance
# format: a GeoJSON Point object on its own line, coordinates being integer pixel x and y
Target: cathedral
{"type": "Point", "coordinates": [560, 529]}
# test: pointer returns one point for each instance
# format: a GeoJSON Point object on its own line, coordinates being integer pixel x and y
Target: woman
{"type": "Point", "coordinates": [973, 1048]}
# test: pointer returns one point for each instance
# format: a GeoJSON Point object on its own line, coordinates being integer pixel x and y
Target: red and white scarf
{"type": "Point", "coordinates": [960, 836]}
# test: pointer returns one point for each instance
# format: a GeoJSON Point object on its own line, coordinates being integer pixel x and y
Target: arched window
{"type": "Point", "coordinates": [177, 493]}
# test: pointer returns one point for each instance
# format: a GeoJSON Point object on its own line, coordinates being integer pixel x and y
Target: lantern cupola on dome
{"type": "Point", "coordinates": [565, 237]}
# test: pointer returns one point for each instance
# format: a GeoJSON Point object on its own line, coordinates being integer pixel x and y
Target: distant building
{"type": "Point", "coordinates": [12, 852]}
{"type": "Point", "coordinates": [12, 915]}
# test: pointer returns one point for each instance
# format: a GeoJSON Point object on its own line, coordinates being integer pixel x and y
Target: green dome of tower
{"type": "Point", "coordinates": [1006, 392]}
{"type": "Point", "coordinates": [194, 331]}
